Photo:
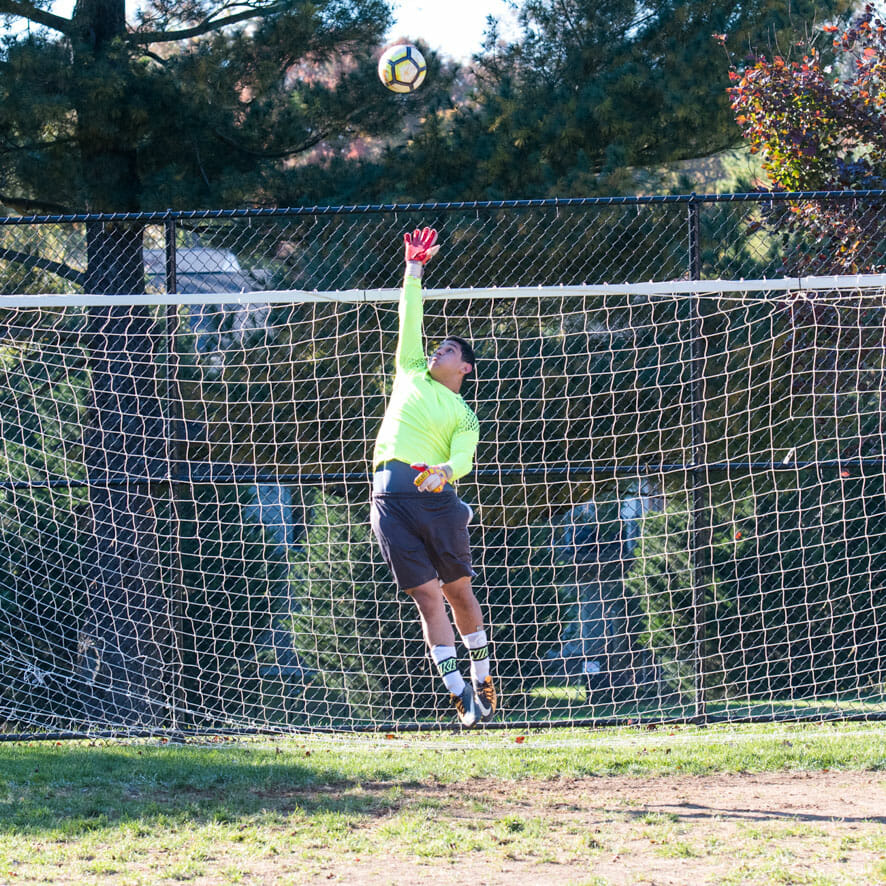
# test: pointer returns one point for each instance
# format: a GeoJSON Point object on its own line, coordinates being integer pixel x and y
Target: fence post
{"type": "Point", "coordinates": [700, 525]}
{"type": "Point", "coordinates": [694, 238]}
{"type": "Point", "coordinates": [176, 454]}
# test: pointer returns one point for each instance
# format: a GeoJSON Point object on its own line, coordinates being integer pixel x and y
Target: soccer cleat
{"type": "Point", "coordinates": [486, 699]}
{"type": "Point", "coordinates": [467, 706]}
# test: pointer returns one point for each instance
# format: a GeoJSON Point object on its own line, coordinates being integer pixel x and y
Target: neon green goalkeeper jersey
{"type": "Point", "coordinates": [425, 421]}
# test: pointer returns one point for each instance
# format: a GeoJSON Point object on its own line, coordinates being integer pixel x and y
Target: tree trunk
{"type": "Point", "coordinates": [126, 639]}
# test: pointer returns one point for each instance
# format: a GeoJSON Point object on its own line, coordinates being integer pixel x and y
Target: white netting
{"type": "Point", "coordinates": [680, 498]}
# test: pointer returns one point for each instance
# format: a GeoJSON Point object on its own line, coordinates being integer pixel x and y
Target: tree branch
{"type": "Point", "coordinates": [306, 145]}
{"type": "Point", "coordinates": [35, 262]}
{"type": "Point", "coordinates": [24, 9]}
{"type": "Point", "coordinates": [7, 148]}
{"type": "Point", "coordinates": [205, 27]}
{"type": "Point", "coordinates": [281, 154]}
{"type": "Point", "coordinates": [26, 206]}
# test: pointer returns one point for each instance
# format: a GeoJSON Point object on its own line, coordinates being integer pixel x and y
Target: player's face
{"type": "Point", "coordinates": [446, 361]}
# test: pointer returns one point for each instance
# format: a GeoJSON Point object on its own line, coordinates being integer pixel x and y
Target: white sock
{"type": "Point", "coordinates": [447, 666]}
{"type": "Point", "coordinates": [478, 649]}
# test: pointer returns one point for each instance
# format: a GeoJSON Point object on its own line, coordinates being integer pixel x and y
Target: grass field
{"type": "Point", "coordinates": [775, 804]}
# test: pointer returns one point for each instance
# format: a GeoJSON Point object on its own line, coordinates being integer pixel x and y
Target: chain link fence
{"type": "Point", "coordinates": [506, 243]}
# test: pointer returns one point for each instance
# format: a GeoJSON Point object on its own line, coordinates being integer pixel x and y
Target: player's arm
{"type": "Point", "coordinates": [420, 248]}
{"type": "Point", "coordinates": [461, 460]}
{"type": "Point", "coordinates": [462, 448]}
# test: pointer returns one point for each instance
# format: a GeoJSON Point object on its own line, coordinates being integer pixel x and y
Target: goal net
{"type": "Point", "coordinates": [679, 492]}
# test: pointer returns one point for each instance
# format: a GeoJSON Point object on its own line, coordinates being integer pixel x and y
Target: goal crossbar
{"type": "Point", "coordinates": [725, 288]}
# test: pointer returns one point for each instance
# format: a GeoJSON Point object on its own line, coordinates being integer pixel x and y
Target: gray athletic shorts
{"type": "Point", "coordinates": [422, 535]}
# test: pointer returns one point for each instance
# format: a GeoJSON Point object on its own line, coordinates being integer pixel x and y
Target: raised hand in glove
{"type": "Point", "coordinates": [421, 247]}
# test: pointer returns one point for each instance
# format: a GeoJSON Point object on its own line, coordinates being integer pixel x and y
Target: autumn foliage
{"type": "Point", "coordinates": [819, 124]}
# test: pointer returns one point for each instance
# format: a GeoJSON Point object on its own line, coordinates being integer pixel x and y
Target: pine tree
{"type": "Point", "coordinates": [588, 90]}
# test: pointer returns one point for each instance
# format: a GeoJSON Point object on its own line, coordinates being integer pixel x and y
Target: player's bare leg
{"type": "Point", "coordinates": [469, 621]}
{"type": "Point", "coordinates": [465, 608]}
{"type": "Point", "coordinates": [440, 638]}
{"type": "Point", "coordinates": [434, 619]}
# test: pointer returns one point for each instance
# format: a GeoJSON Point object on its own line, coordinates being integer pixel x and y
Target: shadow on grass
{"type": "Point", "coordinates": [68, 790]}
{"type": "Point", "coordinates": [690, 812]}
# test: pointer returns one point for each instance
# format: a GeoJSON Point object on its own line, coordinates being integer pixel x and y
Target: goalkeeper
{"type": "Point", "coordinates": [423, 535]}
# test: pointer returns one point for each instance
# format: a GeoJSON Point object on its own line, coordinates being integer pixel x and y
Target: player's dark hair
{"type": "Point", "coordinates": [467, 352]}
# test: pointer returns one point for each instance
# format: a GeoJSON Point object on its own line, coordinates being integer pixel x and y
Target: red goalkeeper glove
{"type": "Point", "coordinates": [420, 249]}
{"type": "Point", "coordinates": [430, 479]}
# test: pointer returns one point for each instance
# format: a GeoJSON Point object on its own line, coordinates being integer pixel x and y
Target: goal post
{"type": "Point", "coordinates": [679, 490]}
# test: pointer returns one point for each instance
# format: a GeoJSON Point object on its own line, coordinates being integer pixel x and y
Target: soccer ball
{"type": "Point", "coordinates": [402, 68]}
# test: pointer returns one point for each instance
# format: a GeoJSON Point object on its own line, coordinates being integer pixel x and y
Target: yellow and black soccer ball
{"type": "Point", "coordinates": [402, 68]}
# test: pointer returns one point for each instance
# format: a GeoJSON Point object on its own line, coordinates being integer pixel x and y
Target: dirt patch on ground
{"type": "Point", "coordinates": [803, 828]}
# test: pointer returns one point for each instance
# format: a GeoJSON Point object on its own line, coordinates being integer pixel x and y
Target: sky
{"type": "Point", "coordinates": [454, 27]}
